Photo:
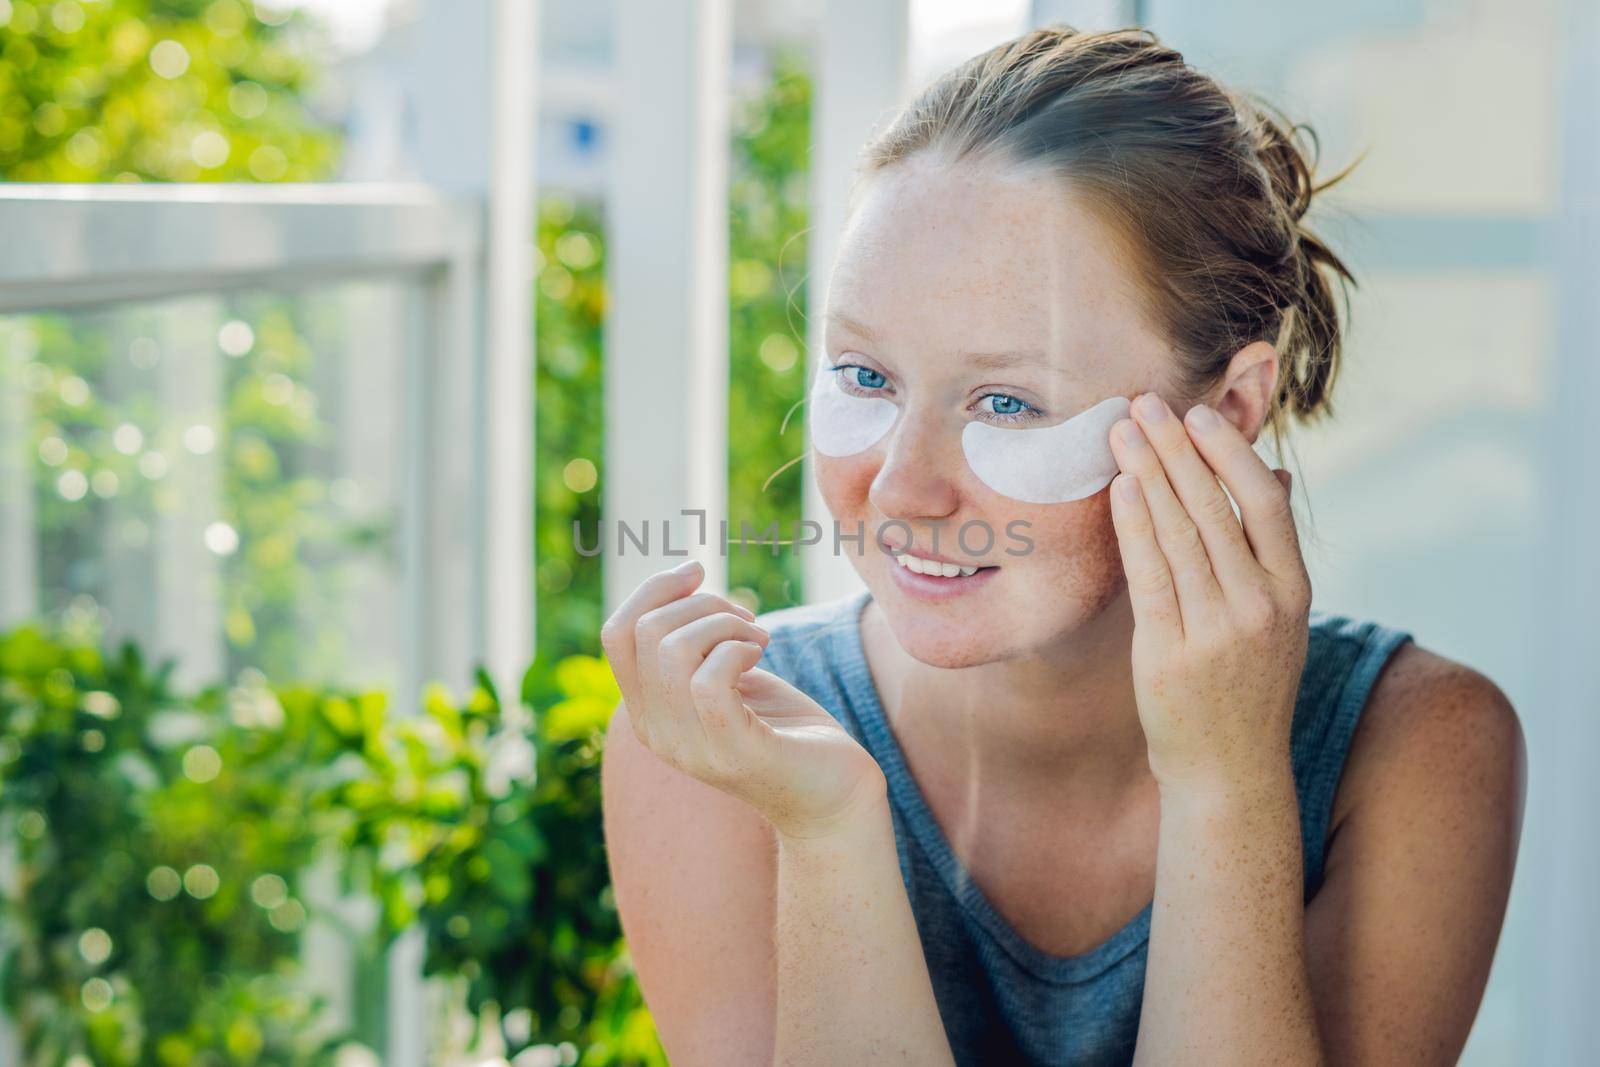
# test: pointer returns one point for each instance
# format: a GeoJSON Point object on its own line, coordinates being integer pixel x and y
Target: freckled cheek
{"type": "Point", "coordinates": [1074, 553]}
{"type": "Point", "coordinates": [844, 482]}
{"type": "Point", "coordinates": [1076, 538]}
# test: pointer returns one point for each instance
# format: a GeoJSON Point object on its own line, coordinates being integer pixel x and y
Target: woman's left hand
{"type": "Point", "coordinates": [1220, 610]}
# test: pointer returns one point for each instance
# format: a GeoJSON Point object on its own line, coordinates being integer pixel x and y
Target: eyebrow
{"type": "Point", "coordinates": [978, 360]}
{"type": "Point", "coordinates": [854, 326]}
{"type": "Point", "coordinates": [996, 360]}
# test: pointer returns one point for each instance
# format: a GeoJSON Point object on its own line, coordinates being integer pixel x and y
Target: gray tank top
{"type": "Point", "coordinates": [1002, 1000]}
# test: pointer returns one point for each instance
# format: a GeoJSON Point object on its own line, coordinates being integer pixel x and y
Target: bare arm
{"type": "Point", "coordinates": [1390, 962]}
{"type": "Point", "coordinates": [693, 873]}
{"type": "Point", "coordinates": [753, 947]}
{"type": "Point", "coordinates": [724, 787]}
{"type": "Point", "coordinates": [1226, 976]}
{"type": "Point", "coordinates": [1401, 936]}
{"type": "Point", "coordinates": [853, 984]}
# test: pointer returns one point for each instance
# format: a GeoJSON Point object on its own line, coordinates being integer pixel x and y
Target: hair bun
{"type": "Point", "coordinates": [1276, 143]}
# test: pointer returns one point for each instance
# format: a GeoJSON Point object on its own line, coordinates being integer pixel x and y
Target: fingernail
{"type": "Point", "coordinates": [1130, 434]}
{"type": "Point", "coordinates": [686, 566]}
{"type": "Point", "coordinates": [1152, 407]}
{"type": "Point", "coordinates": [1202, 418]}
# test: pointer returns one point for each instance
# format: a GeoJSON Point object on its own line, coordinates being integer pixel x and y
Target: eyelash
{"type": "Point", "coordinates": [1027, 414]}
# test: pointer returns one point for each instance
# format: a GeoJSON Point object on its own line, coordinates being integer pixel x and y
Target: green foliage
{"type": "Point", "coordinates": [163, 846]}
{"type": "Point", "coordinates": [767, 333]}
{"type": "Point", "coordinates": [476, 820]}
{"type": "Point", "coordinates": [144, 831]}
{"type": "Point", "coordinates": [485, 824]}
{"type": "Point", "coordinates": [767, 251]}
{"type": "Point", "coordinates": [177, 90]}
{"type": "Point", "coordinates": [157, 90]}
{"type": "Point", "coordinates": [570, 393]}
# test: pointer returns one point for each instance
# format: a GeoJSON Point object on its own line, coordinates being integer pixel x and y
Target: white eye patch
{"type": "Point", "coordinates": [1051, 464]}
{"type": "Point", "coordinates": [843, 424]}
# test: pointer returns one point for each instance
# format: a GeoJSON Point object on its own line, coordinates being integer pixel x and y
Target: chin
{"type": "Point", "coordinates": [982, 627]}
{"type": "Point", "coordinates": [941, 642]}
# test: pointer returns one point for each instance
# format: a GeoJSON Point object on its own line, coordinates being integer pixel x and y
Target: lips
{"type": "Point", "coordinates": [934, 568]}
{"type": "Point", "coordinates": [900, 552]}
{"type": "Point", "coordinates": [936, 589]}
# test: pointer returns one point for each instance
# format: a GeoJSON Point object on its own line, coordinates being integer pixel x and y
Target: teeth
{"type": "Point", "coordinates": [933, 567]}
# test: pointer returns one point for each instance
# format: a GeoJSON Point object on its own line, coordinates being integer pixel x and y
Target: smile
{"type": "Point", "coordinates": [932, 567]}
{"type": "Point", "coordinates": [933, 580]}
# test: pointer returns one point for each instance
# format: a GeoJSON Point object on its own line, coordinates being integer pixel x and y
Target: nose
{"type": "Point", "coordinates": [920, 474]}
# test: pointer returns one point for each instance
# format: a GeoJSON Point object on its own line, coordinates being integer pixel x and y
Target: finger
{"type": "Point", "coordinates": [618, 638]}
{"type": "Point", "coordinates": [1202, 496]}
{"type": "Point", "coordinates": [673, 642]}
{"type": "Point", "coordinates": [617, 635]}
{"type": "Point", "coordinates": [1199, 596]}
{"type": "Point", "coordinates": [1150, 589]}
{"type": "Point", "coordinates": [732, 732]}
{"type": "Point", "coordinates": [1263, 497]}
{"type": "Point", "coordinates": [664, 653]}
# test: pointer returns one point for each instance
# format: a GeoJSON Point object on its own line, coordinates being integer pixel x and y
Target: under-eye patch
{"type": "Point", "coordinates": [1051, 464]}
{"type": "Point", "coordinates": [842, 423]}
{"type": "Point", "coordinates": [1046, 465]}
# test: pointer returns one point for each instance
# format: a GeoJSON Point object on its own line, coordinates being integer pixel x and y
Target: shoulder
{"type": "Point", "coordinates": [1437, 733]}
{"type": "Point", "coordinates": [1427, 821]}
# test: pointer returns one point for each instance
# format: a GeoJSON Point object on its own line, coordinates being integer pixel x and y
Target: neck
{"type": "Point", "coordinates": [1065, 731]}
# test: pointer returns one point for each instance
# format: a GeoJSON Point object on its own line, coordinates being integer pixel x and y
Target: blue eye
{"type": "Point", "coordinates": [864, 380]}
{"type": "Point", "coordinates": [877, 380]}
{"type": "Point", "coordinates": [1008, 408]}
{"type": "Point", "coordinates": [869, 372]}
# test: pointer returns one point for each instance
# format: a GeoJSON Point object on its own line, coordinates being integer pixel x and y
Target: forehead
{"type": "Point", "coordinates": [976, 258]}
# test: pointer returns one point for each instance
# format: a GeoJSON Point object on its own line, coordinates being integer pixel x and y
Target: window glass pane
{"type": "Point", "coordinates": [218, 476]}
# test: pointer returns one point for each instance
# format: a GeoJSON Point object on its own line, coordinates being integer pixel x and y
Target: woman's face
{"type": "Point", "coordinates": [973, 294]}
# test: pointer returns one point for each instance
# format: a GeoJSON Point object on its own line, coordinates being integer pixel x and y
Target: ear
{"type": "Point", "coordinates": [1245, 394]}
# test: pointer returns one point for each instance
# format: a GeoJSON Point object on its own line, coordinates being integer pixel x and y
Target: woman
{"type": "Point", "coordinates": [1118, 795]}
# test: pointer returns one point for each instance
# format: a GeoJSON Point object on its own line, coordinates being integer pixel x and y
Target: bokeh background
{"type": "Point", "coordinates": [322, 322]}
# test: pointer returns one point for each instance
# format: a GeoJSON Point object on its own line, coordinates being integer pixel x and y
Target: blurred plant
{"type": "Point", "coordinates": [767, 331]}
{"type": "Point", "coordinates": [433, 814]}
{"type": "Point", "coordinates": [570, 394]}
{"type": "Point", "coordinates": [156, 895]}
{"type": "Point", "coordinates": [148, 915]}
{"type": "Point", "coordinates": [484, 822]}
{"type": "Point", "coordinates": [158, 90]}
{"type": "Point", "coordinates": [177, 90]}
{"type": "Point", "coordinates": [767, 251]}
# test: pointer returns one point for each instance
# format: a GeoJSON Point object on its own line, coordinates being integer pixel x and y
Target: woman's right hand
{"type": "Point", "coordinates": [685, 663]}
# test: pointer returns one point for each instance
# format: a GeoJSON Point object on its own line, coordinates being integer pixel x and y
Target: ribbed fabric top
{"type": "Point", "coordinates": [1003, 1000]}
